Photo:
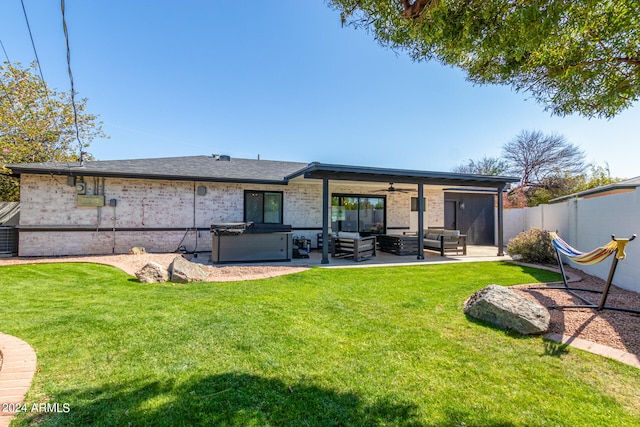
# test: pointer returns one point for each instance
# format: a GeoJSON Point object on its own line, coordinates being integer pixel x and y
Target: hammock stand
{"type": "Point", "coordinates": [615, 247]}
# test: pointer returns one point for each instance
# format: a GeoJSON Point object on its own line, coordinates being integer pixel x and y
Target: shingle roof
{"type": "Point", "coordinates": [192, 168]}
{"type": "Point", "coordinates": [212, 169]}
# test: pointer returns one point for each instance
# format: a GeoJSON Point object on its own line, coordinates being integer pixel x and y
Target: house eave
{"type": "Point", "coordinates": [359, 173]}
{"type": "Point", "coordinates": [79, 171]}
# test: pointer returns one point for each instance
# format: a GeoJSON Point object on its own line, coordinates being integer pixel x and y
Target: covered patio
{"type": "Point", "coordinates": [358, 174]}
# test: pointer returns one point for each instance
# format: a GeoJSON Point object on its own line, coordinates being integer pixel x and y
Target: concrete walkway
{"type": "Point", "coordinates": [592, 347]}
{"type": "Point", "coordinates": [16, 373]}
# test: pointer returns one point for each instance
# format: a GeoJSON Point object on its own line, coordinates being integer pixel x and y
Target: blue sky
{"type": "Point", "coordinates": [283, 80]}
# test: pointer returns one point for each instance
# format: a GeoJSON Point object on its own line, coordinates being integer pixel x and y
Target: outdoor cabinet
{"type": "Point", "coordinates": [251, 247]}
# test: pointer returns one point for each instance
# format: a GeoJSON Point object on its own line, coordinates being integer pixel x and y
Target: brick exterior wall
{"type": "Point", "coordinates": [47, 201]}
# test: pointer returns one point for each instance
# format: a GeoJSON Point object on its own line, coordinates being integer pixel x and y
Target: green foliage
{"type": "Point", "coordinates": [533, 246]}
{"type": "Point", "coordinates": [597, 177]}
{"type": "Point", "coordinates": [578, 56]}
{"type": "Point", "coordinates": [363, 347]}
{"type": "Point", "coordinates": [37, 124]}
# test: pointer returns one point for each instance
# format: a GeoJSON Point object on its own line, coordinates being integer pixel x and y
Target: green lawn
{"type": "Point", "coordinates": [367, 346]}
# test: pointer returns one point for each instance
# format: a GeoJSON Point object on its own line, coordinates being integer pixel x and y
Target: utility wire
{"type": "Point", "coordinates": [5, 53]}
{"type": "Point", "coordinates": [6, 90]}
{"type": "Point", "coordinates": [73, 100]}
{"type": "Point", "coordinates": [24, 10]}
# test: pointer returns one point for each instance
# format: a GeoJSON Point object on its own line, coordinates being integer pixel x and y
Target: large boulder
{"type": "Point", "coordinates": [184, 271]}
{"type": "Point", "coordinates": [506, 309]}
{"type": "Point", "coordinates": [152, 272]}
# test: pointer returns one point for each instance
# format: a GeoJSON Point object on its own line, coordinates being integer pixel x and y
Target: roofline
{"type": "Point", "coordinates": [364, 173]}
{"type": "Point", "coordinates": [78, 171]}
{"type": "Point", "coordinates": [593, 191]}
{"type": "Point", "coordinates": [314, 170]}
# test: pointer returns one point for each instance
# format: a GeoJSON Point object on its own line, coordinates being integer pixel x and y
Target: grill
{"type": "Point", "coordinates": [250, 242]}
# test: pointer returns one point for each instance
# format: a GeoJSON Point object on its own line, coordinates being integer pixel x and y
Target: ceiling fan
{"type": "Point", "coordinates": [393, 189]}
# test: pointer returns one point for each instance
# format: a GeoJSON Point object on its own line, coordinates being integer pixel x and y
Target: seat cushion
{"type": "Point", "coordinates": [349, 234]}
{"type": "Point", "coordinates": [451, 233]}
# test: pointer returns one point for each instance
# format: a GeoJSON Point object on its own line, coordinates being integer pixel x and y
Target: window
{"type": "Point", "coordinates": [414, 204]}
{"type": "Point", "coordinates": [263, 207]}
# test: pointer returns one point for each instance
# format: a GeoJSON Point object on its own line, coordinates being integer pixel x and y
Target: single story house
{"type": "Point", "coordinates": [169, 204]}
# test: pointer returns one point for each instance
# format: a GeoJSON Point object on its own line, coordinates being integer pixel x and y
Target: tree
{"type": "Point", "coordinates": [537, 157]}
{"type": "Point", "coordinates": [573, 56]}
{"type": "Point", "coordinates": [549, 167]}
{"type": "Point", "coordinates": [37, 124]}
{"type": "Point", "coordinates": [597, 177]}
{"type": "Point", "coordinates": [485, 166]}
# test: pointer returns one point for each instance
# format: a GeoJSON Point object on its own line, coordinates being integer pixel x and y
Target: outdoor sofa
{"type": "Point", "coordinates": [442, 240]}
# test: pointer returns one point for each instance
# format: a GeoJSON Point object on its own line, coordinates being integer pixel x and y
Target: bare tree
{"type": "Point", "coordinates": [537, 157]}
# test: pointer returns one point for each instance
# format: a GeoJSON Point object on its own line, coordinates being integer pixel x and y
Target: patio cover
{"type": "Point", "coordinates": [328, 172]}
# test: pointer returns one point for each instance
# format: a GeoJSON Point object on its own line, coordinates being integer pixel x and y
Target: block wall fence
{"type": "Point", "coordinates": [587, 224]}
{"type": "Point", "coordinates": [164, 215]}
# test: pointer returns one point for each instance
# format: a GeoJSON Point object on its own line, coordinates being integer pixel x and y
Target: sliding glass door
{"type": "Point", "coordinates": [363, 214]}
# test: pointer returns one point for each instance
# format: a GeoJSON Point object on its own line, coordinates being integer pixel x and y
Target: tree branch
{"type": "Point", "coordinates": [619, 60]}
{"type": "Point", "coordinates": [413, 9]}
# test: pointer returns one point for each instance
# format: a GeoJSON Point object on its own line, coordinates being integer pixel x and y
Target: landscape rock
{"type": "Point", "coordinates": [137, 251]}
{"type": "Point", "coordinates": [152, 272]}
{"type": "Point", "coordinates": [184, 271]}
{"type": "Point", "coordinates": [506, 309]}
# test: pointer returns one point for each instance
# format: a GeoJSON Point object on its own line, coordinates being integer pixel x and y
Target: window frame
{"type": "Point", "coordinates": [263, 193]}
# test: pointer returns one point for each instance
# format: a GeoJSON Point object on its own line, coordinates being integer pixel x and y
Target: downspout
{"type": "Point", "coordinates": [500, 222]}
{"type": "Point", "coordinates": [420, 221]}
{"type": "Point", "coordinates": [325, 221]}
{"type": "Point", "coordinates": [113, 249]}
{"type": "Point", "coordinates": [195, 230]}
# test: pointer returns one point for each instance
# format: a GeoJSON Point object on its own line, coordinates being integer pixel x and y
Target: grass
{"type": "Point", "coordinates": [377, 346]}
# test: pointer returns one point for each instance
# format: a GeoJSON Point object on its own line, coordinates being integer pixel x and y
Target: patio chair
{"type": "Point", "coordinates": [347, 244]}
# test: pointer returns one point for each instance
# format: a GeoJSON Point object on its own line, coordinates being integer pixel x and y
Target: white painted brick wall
{"type": "Point", "coordinates": [49, 201]}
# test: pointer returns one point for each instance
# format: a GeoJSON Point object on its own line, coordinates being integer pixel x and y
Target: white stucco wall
{"type": "Point", "coordinates": [47, 201]}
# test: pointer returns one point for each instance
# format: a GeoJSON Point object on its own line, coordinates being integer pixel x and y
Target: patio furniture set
{"type": "Point", "coordinates": [351, 244]}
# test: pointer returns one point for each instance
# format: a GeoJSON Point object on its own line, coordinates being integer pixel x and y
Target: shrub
{"type": "Point", "coordinates": [533, 246]}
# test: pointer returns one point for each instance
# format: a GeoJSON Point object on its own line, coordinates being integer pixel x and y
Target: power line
{"type": "Point", "coordinates": [5, 53]}
{"type": "Point", "coordinates": [24, 10]}
{"type": "Point", "coordinates": [73, 100]}
{"type": "Point", "coordinates": [5, 89]}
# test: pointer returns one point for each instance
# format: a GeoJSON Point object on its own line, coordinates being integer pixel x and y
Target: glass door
{"type": "Point", "coordinates": [363, 214]}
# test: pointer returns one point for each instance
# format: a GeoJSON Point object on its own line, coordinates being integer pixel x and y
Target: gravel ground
{"type": "Point", "coordinates": [615, 329]}
{"type": "Point", "coordinates": [132, 263]}
{"type": "Point", "coordinates": [612, 328]}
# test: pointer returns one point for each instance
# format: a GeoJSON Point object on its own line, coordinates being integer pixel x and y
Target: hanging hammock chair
{"type": "Point", "coordinates": [614, 247]}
